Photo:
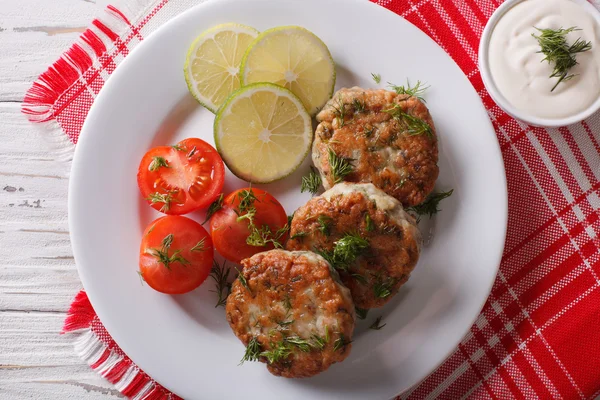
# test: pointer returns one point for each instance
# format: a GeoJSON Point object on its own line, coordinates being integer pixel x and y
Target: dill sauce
{"type": "Point", "coordinates": [517, 68]}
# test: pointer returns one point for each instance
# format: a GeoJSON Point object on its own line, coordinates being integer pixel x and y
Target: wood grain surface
{"type": "Point", "coordinates": [38, 278]}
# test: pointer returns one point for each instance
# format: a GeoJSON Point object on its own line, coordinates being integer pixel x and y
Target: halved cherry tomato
{"type": "Point", "coordinates": [176, 255]}
{"type": "Point", "coordinates": [183, 178]}
{"type": "Point", "coordinates": [244, 212]}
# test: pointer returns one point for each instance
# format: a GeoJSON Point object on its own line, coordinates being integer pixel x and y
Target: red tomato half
{"type": "Point", "coordinates": [176, 255]}
{"type": "Point", "coordinates": [183, 178]}
{"type": "Point", "coordinates": [230, 232]}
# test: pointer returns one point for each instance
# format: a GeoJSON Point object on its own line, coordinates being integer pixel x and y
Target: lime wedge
{"type": "Point", "coordinates": [213, 61]}
{"type": "Point", "coordinates": [263, 133]}
{"type": "Point", "coordinates": [295, 58]}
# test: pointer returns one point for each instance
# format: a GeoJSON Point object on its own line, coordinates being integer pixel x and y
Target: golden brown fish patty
{"type": "Point", "coordinates": [294, 309]}
{"type": "Point", "coordinates": [393, 238]}
{"type": "Point", "coordinates": [396, 150]}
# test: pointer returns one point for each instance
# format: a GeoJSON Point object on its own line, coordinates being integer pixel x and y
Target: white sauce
{"type": "Point", "coordinates": [521, 76]}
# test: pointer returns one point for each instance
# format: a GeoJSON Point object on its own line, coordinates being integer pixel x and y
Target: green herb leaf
{"type": "Point", "coordinates": [243, 280]}
{"type": "Point", "coordinates": [162, 254]}
{"type": "Point", "coordinates": [324, 224]}
{"type": "Point", "coordinates": [298, 235]}
{"type": "Point", "coordinates": [430, 206]}
{"type": "Point", "coordinates": [158, 162]}
{"type": "Point", "coordinates": [200, 247]}
{"type": "Point", "coordinates": [213, 208]}
{"type": "Point", "coordinates": [341, 343]}
{"type": "Point", "coordinates": [348, 248]}
{"type": "Point", "coordinates": [178, 148]}
{"type": "Point", "coordinates": [165, 198]}
{"type": "Point", "coordinates": [376, 78]}
{"type": "Point", "coordinates": [340, 167]}
{"type": "Point", "coordinates": [370, 227]}
{"type": "Point", "coordinates": [311, 182]}
{"type": "Point", "coordinates": [247, 200]}
{"type": "Point", "coordinates": [222, 286]}
{"type": "Point", "coordinates": [554, 46]}
{"type": "Point", "coordinates": [141, 275]}
{"type": "Point", "coordinates": [383, 287]}
{"type": "Point", "coordinates": [253, 351]}
{"type": "Point", "coordinates": [340, 112]}
{"type": "Point", "coordinates": [358, 105]}
{"type": "Point", "coordinates": [414, 126]}
{"type": "Point", "coordinates": [417, 90]}
{"type": "Point", "coordinates": [279, 351]}
{"type": "Point", "coordinates": [376, 325]}
{"type": "Point", "coordinates": [361, 313]}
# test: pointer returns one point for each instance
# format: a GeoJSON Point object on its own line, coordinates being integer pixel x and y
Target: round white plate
{"type": "Point", "coordinates": [183, 341]}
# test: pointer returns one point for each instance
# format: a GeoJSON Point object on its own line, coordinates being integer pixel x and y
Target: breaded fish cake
{"type": "Point", "coordinates": [389, 139]}
{"type": "Point", "coordinates": [292, 312]}
{"type": "Point", "coordinates": [366, 235]}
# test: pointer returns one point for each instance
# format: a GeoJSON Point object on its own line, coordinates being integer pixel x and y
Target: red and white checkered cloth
{"type": "Point", "coordinates": [538, 335]}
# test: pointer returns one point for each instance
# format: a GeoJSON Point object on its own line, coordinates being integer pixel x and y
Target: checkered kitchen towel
{"type": "Point", "coordinates": [538, 335]}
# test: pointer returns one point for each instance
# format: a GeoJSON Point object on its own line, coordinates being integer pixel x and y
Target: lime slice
{"type": "Point", "coordinates": [263, 133]}
{"type": "Point", "coordinates": [213, 63]}
{"type": "Point", "coordinates": [295, 58]}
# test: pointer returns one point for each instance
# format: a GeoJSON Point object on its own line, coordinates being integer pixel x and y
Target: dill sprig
{"type": "Point", "coordinates": [418, 90]}
{"type": "Point", "coordinates": [158, 162]}
{"type": "Point", "coordinates": [324, 224]}
{"type": "Point", "coordinates": [163, 256]}
{"type": "Point", "coordinates": [243, 280]}
{"type": "Point", "coordinates": [376, 78]}
{"type": "Point", "coordinates": [253, 351]}
{"type": "Point", "coordinates": [348, 248]}
{"type": "Point", "coordinates": [247, 199]}
{"type": "Point", "coordinates": [359, 106]}
{"type": "Point", "coordinates": [414, 126]}
{"type": "Point", "coordinates": [141, 275]}
{"type": "Point", "coordinates": [259, 236]}
{"type": "Point", "coordinates": [200, 247]}
{"type": "Point", "coordinates": [311, 182]}
{"type": "Point", "coordinates": [431, 205]}
{"type": "Point", "coordinates": [178, 148]}
{"type": "Point", "coordinates": [341, 343]}
{"type": "Point", "coordinates": [370, 226]}
{"type": "Point", "coordinates": [279, 351]}
{"type": "Point", "coordinates": [361, 313]}
{"type": "Point", "coordinates": [376, 325]}
{"type": "Point", "coordinates": [383, 287]}
{"type": "Point", "coordinates": [298, 235]}
{"type": "Point", "coordinates": [345, 251]}
{"type": "Point", "coordinates": [554, 46]}
{"type": "Point", "coordinates": [340, 167]}
{"type": "Point", "coordinates": [359, 278]}
{"type": "Point", "coordinates": [165, 198]}
{"type": "Point", "coordinates": [340, 112]}
{"type": "Point", "coordinates": [213, 208]}
{"type": "Point", "coordinates": [222, 286]}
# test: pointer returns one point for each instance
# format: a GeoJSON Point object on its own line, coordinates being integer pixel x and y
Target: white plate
{"type": "Point", "coordinates": [183, 341]}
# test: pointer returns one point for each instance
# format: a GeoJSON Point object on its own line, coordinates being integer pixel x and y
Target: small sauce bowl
{"type": "Point", "coordinates": [497, 96]}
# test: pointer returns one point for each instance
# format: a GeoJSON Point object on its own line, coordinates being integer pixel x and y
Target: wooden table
{"type": "Point", "coordinates": [38, 278]}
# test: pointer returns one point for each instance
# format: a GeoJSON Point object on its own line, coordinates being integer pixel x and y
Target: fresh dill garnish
{"type": "Point", "coordinates": [178, 148]}
{"type": "Point", "coordinates": [417, 90]}
{"type": "Point", "coordinates": [302, 344]}
{"type": "Point", "coordinates": [296, 278]}
{"type": "Point", "coordinates": [358, 105]}
{"type": "Point", "coordinates": [243, 280]}
{"type": "Point", "coordinates": [213, 208]}
{"type": "Point", "coordinates": [370, 227]}
{"type": "Point", "coordinates": [431, 205]}
{"type": "Point", "coordinates": [253, 351]}
{"type": "Point", "coordinates": [348, 248]}
{"type": "Point", "coordinates": [554, 46]}
{"type": "Point", "coordinates": [361, 313]}
{"type": "Point", "coordinates": [324, 224]}
{"type": "Point", "coordinates": [340, 167]}
{"type": "Point", "coordinates": [222, 286]}
{"type": "Point", "coordinates": [200, 247]}
{"type": "Point", "coordinates": [158, 162]}
{"type": "Point", "coordinates": [165, 198]}
{"type": "Point", "coordinates": [369, 132]}
{"type": "Point", "coordinates": [414, 126]}
{"type": "Point", "coordinates": [341, 343]}
{"type": "Point", "coordinates": [247, 199]}
{"type": "Point", "coordinates": [162, 254]}
{"type": "Point", "coordinates": [279, 351]}
{"type": "Point", "coordinates": [285, 324]}
{"type": "Point", "coordinates": [376, 325]}
{"type": "Point", "coordinates": [141, 275]}
{"type": "Point", "coordinates": [287, 302]}
{"type": "Point", "coordinates": [383, 287]}
{"type": "Point", "coordinates": [311, 182]}
{"type": "Point", "coordinates": [376, 77]}
{"type": "Point", "coordinates": [361, 279]}
{"type": "Point", "coordinates": [340, 112]}
{"type": "Point", "coordinates": [298, 235]}
{"type": "Point", "coordinates": [290, 218]}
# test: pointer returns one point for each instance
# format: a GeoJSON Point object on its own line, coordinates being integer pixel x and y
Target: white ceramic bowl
{"type": "Point", "coordinates": [492, 89]}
